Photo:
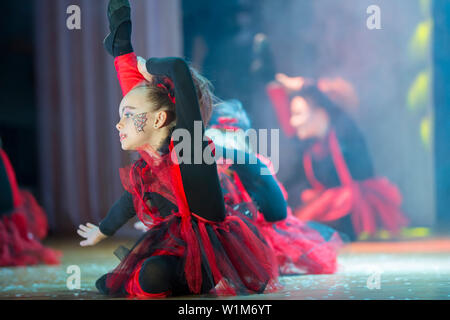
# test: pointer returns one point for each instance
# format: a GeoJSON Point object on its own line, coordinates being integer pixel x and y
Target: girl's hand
{"type": "Point", "coordinates": [309, 195]}
{"type": "Point", "coordinates": [292, 84]}
{"type": "Point", "coordinates": [142, 67]}
{"type": "Point", "coordinates": [140, 226]}
{"type": "Point", "coordinates": [91, 233]}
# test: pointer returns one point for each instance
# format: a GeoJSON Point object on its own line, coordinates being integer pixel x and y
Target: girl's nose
{"type": "Point", "coordinates": [119, 125]}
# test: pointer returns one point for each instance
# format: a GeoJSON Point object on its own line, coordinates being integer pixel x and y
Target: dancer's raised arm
{"type": "Point", "coordinates": [118, 44]}
{"type": "Point", "coordinates": [194, 176]}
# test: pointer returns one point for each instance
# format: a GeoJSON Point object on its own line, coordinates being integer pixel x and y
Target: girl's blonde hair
{"type": "Point", "coordinates": [160, 91]}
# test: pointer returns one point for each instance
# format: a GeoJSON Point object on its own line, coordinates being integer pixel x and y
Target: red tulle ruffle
{"type": "Point", "coordinates": [373, 203]}
{"type": "Point", "coordinates": [18, 245]}
{"type": "Point", "coordinates": [21, 229]}
{"type": "Point", "coordinates": [298, 247]}
{"type": "Point", "coordinates": [232, 252]}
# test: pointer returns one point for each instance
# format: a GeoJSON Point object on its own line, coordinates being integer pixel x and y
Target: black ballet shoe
{"type": "Point", "coordinates": [121, 252]}
{"type": "Point", "coordinates": [115, 5]}
{"type": "Point", "coordinates": [100, 284]}
{"type": "Point", "coordinates": [118, 41]}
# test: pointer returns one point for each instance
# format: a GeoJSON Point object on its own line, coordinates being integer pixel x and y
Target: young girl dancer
{"type": "Point", "coordinates": [194, 239]}
{"type": "Point", "coordinates": [22, 223]}
{"type": "Point", "coordinates": [343, 190]}
{"type": "Point", "coordinates": [299, 247]}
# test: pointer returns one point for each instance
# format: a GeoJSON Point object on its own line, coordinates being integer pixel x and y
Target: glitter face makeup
{"type": "Point", "coordinates": [140, 121]}
{"type": "Point", "coordinates": [136, 127]}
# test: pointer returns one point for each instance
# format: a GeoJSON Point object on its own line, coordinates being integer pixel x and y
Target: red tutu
{"type": "Point", "coordinates": [19, 247]}
{"type": "Point", "coordinates": [299, 247]}
{"type": "Point", "coordinates": [231, 253]}
{"type": "Point", "coordinates": [21, 229]}
{"type": "Point", "coordinates": [373, 203]}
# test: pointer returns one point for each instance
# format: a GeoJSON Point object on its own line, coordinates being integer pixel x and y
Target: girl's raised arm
{"type": "Point", "coordinates": [200, 180]}
{"type": "Point", "coordinates": [118, 44]}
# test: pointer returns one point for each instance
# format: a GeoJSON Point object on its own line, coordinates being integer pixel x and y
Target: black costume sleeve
{"type": "Point", "coordinates": [6, 194]}
{"type": "Point", "coordinates": [200, 181]}
{"type": "Point", "coordinates": [356, 154]}
{"type": "Point", "coordinates": [263, 189]}
{"type": "Point", "coordinates": [293, 172]}
{"type": "Point", "coordinates": [118, 215]}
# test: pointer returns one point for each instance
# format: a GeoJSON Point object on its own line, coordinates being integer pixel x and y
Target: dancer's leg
{"type": "Point", "coordinates": [165, 274]}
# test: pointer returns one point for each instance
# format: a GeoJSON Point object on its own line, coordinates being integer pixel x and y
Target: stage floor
{"type": "Point", "coordinates": [367, 270]}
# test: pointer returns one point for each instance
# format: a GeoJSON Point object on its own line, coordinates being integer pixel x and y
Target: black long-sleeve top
{"type": "Point", "coordinates": [6, 195]}
{"type": "Point", "coordinates": [200, 181]}
{"type": "Point", "coordinates": [263, 189]}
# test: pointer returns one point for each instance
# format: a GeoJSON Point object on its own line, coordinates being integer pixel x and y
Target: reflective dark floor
{"type": "Point", "coordinates": [367, 270]}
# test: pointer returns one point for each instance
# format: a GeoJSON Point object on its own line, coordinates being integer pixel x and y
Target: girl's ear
{"type": "Point", "coordinates": [161, 119]}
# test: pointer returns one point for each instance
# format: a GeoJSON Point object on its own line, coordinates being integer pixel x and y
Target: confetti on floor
{"type": "Point", "coordinates": [367, 271]}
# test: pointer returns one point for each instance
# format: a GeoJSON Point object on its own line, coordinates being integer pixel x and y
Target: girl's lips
{"type": "Point", "coordinates": [122, 136]}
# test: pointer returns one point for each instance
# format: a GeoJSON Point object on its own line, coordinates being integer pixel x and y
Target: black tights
{"type": "Point", "coordinates": [345, 226]}
{"type": "Point", "coordinates": [166, 273]}
{"type": "Point", "coordinates": [161, 274]}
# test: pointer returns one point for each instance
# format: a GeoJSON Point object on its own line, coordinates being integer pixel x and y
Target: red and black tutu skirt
{"type": "Point", "coordinates": [299, 247]}
{"type": "Point", "coordinates": [231, 256]}
{"type": "Point", "coordinates": [372, 204]}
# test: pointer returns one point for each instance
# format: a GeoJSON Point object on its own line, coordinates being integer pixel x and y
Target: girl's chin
{"type": "Point", "coordinates": [303, 135]}
{"type": "Point", "coordinates": [136, 147]}
{"type": "Point", "coordinates": [124, 146]}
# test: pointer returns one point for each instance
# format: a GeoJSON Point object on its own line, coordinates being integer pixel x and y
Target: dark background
{"type": "Point", "coordinates": [56, 85]}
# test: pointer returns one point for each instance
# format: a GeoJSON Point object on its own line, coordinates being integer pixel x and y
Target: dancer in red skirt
{"type": "Point", "coordinates": [22, 223]}
{"type": "Point", "coordinates": [300, 247]}
{"type": "Point", "coordinates": [343, 190]}
{"type": "Point", "coordinates": [196, 243]}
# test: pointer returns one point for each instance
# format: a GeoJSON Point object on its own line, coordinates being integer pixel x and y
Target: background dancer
{"type": "Point", "coordinates": [300, 247]}
{"type": "Point", "coordinates": [22, 223]}
{"type": "Point", "coordinates": [343, 190]}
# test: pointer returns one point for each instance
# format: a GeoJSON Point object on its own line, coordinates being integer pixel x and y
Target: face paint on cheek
{"type": "Point", "coordinates": [140, 121]}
